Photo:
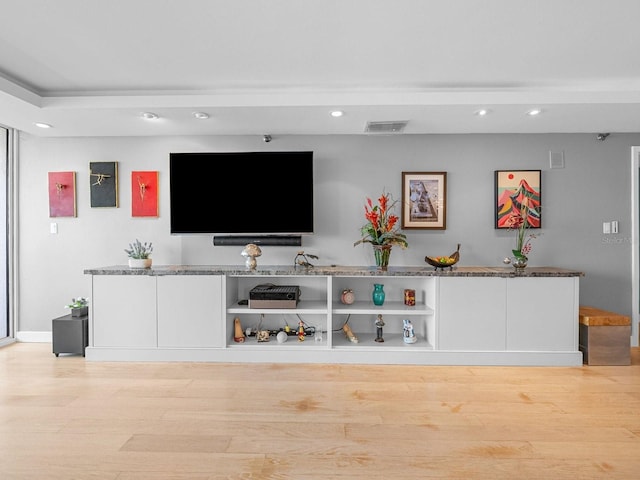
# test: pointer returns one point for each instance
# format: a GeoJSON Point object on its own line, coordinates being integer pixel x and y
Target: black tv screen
{"type": "Point", "coordinates": [241, 193]}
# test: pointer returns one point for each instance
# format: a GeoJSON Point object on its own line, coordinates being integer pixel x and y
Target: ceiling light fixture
{"type": "Point", "coordinates": [42, 125]}
{"type": "Point", "coordinates": [201, 115]}
{"type": "Point", "coordinates": [482, 112]}
{"type": "Point", "coordinates": [149, 115]}
{"type": "Point", "coordinates": [337, 113]}
{"type": "Point", "coordinates": [534, 112]}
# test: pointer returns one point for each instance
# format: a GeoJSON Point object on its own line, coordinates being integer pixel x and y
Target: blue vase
{"type": "Point", "coordinates": [378, 294]}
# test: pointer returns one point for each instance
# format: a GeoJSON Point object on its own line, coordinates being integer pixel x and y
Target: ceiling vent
{"type": "Point", "coordinates": [385, 127]}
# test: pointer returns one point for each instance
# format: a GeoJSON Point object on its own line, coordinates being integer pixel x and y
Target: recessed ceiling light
{"type": "Point", "coordinates": [42, 125]}
{"type": "Point", "coordinates": [482, 112]}
{"type": "Point", "coordinates": [337, 113]}
{"type": "Point", "coordinates": [201, 115]}
{"type": "Point", "coordinates": [534, 112]}
{"type": "Point", "coordinates": [149, 115]}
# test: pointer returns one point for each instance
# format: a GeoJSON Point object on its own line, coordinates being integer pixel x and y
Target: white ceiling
{"type": "Point", "coordinates": [280, 66]}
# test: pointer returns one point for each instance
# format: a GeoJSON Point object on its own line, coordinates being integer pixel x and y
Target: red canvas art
{"type": "Point", "coordinates": [62, 194]}
{"type": "Point", "coordinates": [515, 188]}
{"type": "Point", "coordinates": [144, 194]}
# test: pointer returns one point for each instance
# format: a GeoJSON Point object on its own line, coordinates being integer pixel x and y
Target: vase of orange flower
{"type": "Point", "coordinates": [519, 222]}
{"type": "Point", "coordinates": [381, 229]}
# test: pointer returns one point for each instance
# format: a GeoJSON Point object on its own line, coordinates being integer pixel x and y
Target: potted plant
{"type": "Point", "coordinates": [79, 306]}
{"type": "Point", "coordinates": [139, 254]}
{"type": "Point", "coordinates": [381, 229]}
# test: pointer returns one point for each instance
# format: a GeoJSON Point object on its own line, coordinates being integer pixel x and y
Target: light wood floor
{"type": "Point", "coordinates": [67, 418]}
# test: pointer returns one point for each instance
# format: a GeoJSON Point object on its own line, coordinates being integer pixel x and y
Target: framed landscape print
{"type": "Point", "coordinates": [512, 187]}
{"type": "Point", "coordinates": [424, 200]}
{"type": "Point", "coordinates": [103, 184]}
{"type": "Point", "coordinates": [62, 194]}
{"type": "Point", "coordinates": [144, 194]}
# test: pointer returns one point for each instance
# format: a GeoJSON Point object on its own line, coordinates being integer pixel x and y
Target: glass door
{"type": "Point", "coordinates": [6, 330]}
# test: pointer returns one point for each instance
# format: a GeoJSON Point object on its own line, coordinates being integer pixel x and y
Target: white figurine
{"type": "Point", "coordinates": [408, 335]}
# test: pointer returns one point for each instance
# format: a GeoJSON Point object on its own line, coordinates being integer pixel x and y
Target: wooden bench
{"type": "Point", "coordinates": [604, 337]}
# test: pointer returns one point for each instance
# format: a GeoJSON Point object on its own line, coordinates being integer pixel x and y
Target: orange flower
{"type": "Point", "coordinates": [380, 228]}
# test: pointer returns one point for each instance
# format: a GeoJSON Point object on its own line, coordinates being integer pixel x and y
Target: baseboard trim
{"type": "Point", "coordinates": [34, 337]}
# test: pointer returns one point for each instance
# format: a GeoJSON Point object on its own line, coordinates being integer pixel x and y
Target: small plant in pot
{"type": "Point", "coordinates": [79, 306]}
{"type": "Point", "coordinates": [139, 254]}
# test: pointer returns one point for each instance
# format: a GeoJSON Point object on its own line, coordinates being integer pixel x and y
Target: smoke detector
{"type": "Point", "coordinates": [386, 127]}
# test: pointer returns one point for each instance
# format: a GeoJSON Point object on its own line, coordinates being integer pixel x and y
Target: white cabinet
{"type": "Point", "coordinates": [461, 317]}
{"type": "Point", "coordinates": [123, 311]}
{"type": "Point", "coordinates": [190, 311]}
{"type": "Point", "coordinates": [471, 313]}
{"type": "Point", "coordinates": [514, 314]}
{"type": "Point", "coordinates": [537, 312]}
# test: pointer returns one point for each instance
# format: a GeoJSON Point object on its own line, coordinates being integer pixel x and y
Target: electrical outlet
{"type": "Point", "coordinates": [614, 226]}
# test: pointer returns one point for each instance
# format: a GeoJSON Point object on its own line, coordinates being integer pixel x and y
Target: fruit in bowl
{"type": "Point", "coordinates": [444, 261]}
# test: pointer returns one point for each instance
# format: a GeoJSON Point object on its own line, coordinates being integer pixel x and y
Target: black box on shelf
{"type": "Point", "coordinates": [274, 296]}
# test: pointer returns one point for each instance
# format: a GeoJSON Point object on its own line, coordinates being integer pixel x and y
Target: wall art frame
{"type": "Point", "coordinates": [424, 200]}
{"type": "Point", "coordinates": [144, 193]}
{"type": "Point", "coordinates": [103, 184]}
{"type": "Point", "coordinates": [62, 194]}
{"type": "Point", "coordinates": [511, 189]}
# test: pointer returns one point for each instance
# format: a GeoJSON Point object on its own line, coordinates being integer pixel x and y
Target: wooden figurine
{"type": "Point", "coordinates": [238, 334]}
{"type": "Point", "coordinates": [349, 333]}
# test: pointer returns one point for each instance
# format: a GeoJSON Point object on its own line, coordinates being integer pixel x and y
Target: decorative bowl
{"type": "Point", "coordinates": [441, 262]}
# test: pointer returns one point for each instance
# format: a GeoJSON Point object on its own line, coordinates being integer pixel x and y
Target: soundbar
{"type": "Point", "coordinates": [277, 240]}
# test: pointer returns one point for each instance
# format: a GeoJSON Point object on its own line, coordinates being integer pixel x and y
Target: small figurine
{"type": "Point", "coordinates": [302, 259]}
{"type": "Point", "coordinates": [301, 331]}
{"type": "Point", "coordinates": [250, 252]}
{"type": "Point", "coordinates": [409, 336]}
{"type": "Point", "coordinates": [379, 325]}
{"type": "Point", "coordinates": [349, 333]}
{"type": "Point", "coordinates": [238, 335]}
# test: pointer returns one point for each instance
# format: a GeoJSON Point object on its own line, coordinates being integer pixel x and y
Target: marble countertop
{"type": "Point", "coordinates": [337, 270]}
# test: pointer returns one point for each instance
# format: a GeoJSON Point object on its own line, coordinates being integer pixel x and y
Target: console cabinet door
{"type": "Point", "coordinates": [471, 314]}
{"type": "Point", "coordinates": [190, 311]}
{"type": "Point", "coordinates": [123, 311]}
{"type": "Point", "coordinates": [542, 314]}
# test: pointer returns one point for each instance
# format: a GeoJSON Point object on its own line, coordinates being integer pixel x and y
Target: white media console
{"type": "Point", "coordinates": [465, 316]}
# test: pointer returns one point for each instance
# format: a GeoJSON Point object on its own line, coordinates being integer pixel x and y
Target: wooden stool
{"type": "Point", "coordinates": [604, 337]}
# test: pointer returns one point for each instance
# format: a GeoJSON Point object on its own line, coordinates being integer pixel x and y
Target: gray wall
{"type": "Point", "coordinates": [593, 187]}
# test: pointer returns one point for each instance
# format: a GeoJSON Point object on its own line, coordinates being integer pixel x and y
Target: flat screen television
{"type": "Point", "coordinates": [243, 193]}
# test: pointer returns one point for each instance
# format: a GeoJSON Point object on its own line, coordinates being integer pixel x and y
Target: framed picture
{"type": "Point", "coordinates": [511, 189]}
{"type": "Point", "coordinates": [62, 194]}
{"type": "Point", "coordinates": [144, 194]}
{"type": "Point", "coordinates": [424, 200]}
{"type": "Point", "coordinates": [103, 184]}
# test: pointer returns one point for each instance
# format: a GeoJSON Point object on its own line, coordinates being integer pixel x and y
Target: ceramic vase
{"type": "Point", "coordinates": [139, 262]}
{"type": "Point", "coordinates": [378, 294]}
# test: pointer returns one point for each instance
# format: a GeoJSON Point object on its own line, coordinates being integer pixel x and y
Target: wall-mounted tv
{"type": "Point", "coordinates": [244, 193]}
